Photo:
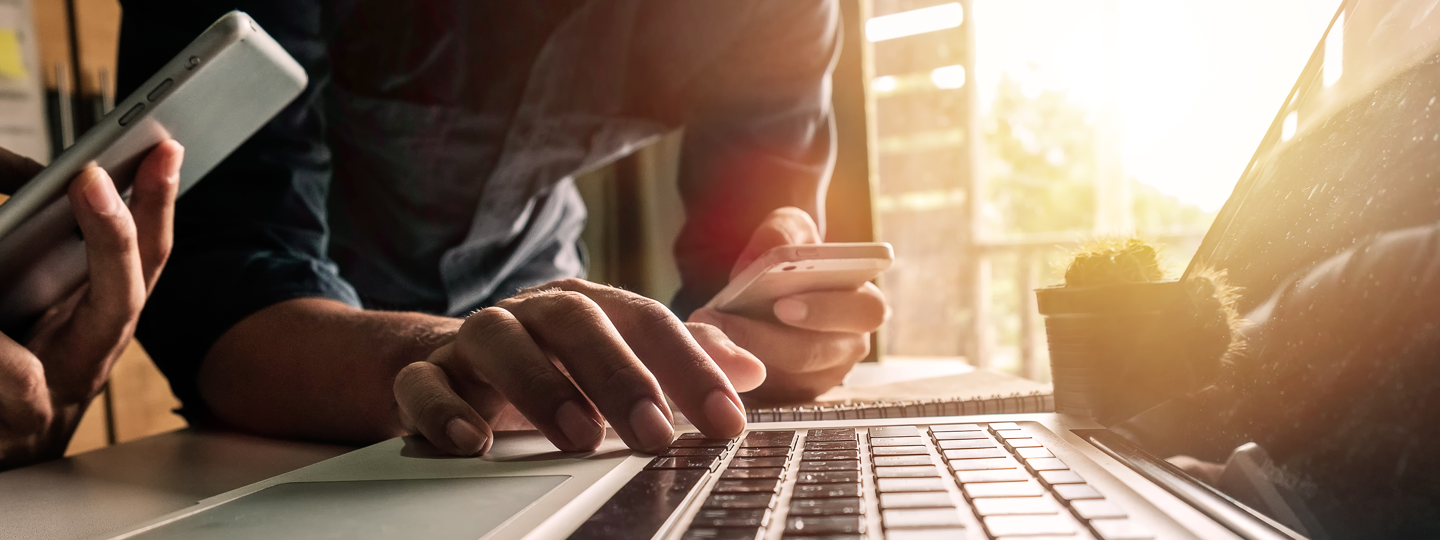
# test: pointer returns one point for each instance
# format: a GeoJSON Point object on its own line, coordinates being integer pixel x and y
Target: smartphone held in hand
{"type": "Point", "coordinates": [787, 270]}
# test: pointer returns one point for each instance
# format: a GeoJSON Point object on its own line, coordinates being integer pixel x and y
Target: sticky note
{"type": "Point", "coordinates": [12, 62]}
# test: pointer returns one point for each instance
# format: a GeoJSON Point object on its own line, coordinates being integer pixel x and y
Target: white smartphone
{"type": "Point", "coordinates": [211, 97]}
{"type": "Point", "coordinates": [786, 270]}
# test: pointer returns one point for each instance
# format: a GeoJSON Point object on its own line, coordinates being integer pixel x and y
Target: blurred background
{"type": "Point", "coordinates": [985, 139]}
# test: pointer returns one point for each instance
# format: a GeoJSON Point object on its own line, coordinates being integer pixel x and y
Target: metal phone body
{"type": "Point", "coordinates": [211, 97]}
{"type": "Point", "coordinates": [786, 270]}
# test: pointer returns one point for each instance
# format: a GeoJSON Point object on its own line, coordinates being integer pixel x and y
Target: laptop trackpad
{"type": "Point", "coordinates": [461, 508]}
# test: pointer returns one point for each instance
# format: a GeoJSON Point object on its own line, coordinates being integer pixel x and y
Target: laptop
{"type": "Point", "coordinates": [1325, 429]}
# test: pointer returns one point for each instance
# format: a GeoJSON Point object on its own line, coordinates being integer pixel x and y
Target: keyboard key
{"type": "Point", "coordinates": [838, 434]}
{"type": "Point", "coordinates": [641, 506]}
{"type": "Point", "coordinates": [1050, 464]}
{"type": "Point", "coordinates": [984, 464]}
{"type": "Point", "coordinates": [896, 441]}
{"type": "Point", "coordinates": [701, 443]}
{"type": "Point", "coordinates": [1034, 453]}
{"type": "Point", "coordinates": [993, 475]}
{"type": "Point", "coordinates": [1015, 506]}
{"type": "Point", "coordinates": [898, 461]}
{"type": "Point", "coordinates": [1029, 525]}
{"type": "Point", "coordinates": [1023, 443]}
{"type": "Point", "coordinates": [920, 471]}
{"type": "Point", "coordinates": [926, 534]}
{"type": "Point", "coordinates": [956, 427]}
{"type": "Point", "coordinates": [820, 466]}
{"type": "Point", "coordinates": [899, 451]}
{"type": "Point", "coordinates": [825, 491]}
{"type": "Point", "coordinates": [921, 518]}
{"type": "Point", "coordinates": [818, 525]}
{"type": "Point", "coordinates": [1120, 529]}
{"type": "Point", "coordinates": [975, 453]}
{"type": "Point", "coordinates": [1073, 492]}
{"type": "Point", "coordinates": [753, 485]}
{"type": "Point", "coordinates": [1061, 477]}
{"type": "Point", "coordinates": [753, 473]}
{"type": "Point", "coordinates": [838, 506]}
{"type": "Point", "coordinates": [1097, 509]}
{"type": "Point", "coordinates": [1013, 434]}
{"type": "Point", "coordinates": [966, 444]}
{"type": "Point", "coordinates": [684, 462]}
{"type": "Point", "coordinates": [1003, 489]}
{"type": "Point", "coordinates": [769, 439]}
{"type": "Point", "coordinates": [762, 452]}
{"type": "Point", "coordinates": [830, 455]}
{"type": "Point", "coordinates": [723, 534]}
{"type": "Point", "coordinates": [895, 485]}
{"type": "Point", "coordinates": [931, 499]}
{"type": "Point", "coordinates": [829, 477]}
{"type": "Point", "coordinates": [739, 500]}
{"type": "Point", "coordinates": [704, 451]}
{"type": "Point", "coordinates": [998, 426]}
{"type": "Point", "coordinates": [961, 435]}
{"type": "Point", "coordinates": [759, 462]}
{"type": "Point", "coordinates": [719, 518]}
{"type": "Point", "coordinates": [831, 445]}
{"type": "Point", "coordinates": [894, 431]}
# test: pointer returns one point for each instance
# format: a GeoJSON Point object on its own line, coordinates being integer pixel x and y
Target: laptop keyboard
{"type": "Point", "coordinates": [990, 481]}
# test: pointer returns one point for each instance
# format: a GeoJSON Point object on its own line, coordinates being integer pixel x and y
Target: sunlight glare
{"type": "Point", "coordinates": [914, 22]}
{"type": "Point", "coordinates": [883, 84]}
{"type": "Point", "coordinates": [1334, 64]}
{"type": "Point", "coordinates": [948, 77]}
{"type": "Point", "coordinates": [1287, 128]}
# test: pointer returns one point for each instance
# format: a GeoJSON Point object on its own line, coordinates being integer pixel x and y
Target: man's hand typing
{"type": "Point", "coordinates": [569, 355]}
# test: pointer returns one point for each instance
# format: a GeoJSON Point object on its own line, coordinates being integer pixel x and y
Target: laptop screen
{"type": "Point", "coordinates": [1327, 421]}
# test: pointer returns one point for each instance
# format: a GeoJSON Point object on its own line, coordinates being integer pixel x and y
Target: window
{"type": "Point", "coordinates": [1007, 132]}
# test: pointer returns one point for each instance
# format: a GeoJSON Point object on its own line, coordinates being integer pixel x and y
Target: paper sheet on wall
{"type": "Point", "coordinates": [22, 100]}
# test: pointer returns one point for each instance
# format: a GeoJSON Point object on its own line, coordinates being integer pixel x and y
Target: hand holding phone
{"type": "Point", "coordinates": [210, 98]}
{"type": "Point", "coordinates": [793, 269]}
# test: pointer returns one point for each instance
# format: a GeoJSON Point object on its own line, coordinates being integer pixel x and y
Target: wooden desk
{"type": "Point", "coordinates": [107, 491]}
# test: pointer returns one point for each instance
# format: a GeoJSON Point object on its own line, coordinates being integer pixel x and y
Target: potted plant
{"type": "Point", "coordinates": [1123, 338]}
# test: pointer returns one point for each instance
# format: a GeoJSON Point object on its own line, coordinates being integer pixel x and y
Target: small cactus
{"type": "Point", "coordinates": [1112, 261]}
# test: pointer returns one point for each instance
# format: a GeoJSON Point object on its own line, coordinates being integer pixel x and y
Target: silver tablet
{"type": "Point", "coordinates": [211, 97]}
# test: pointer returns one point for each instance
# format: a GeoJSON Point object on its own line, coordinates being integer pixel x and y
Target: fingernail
{"type": "Point", "coordinates": [791, 310]}
{"type": "Point", "coordinates": [723, 414]}
{"type": "Point", "coordinates": [581, 429]}
{"type": "Point", "coordinates": [102, 200]}
{"type": "Point", "coordinates": [464, 436]}
{"type": "Point", "coordinates": [652, 430]}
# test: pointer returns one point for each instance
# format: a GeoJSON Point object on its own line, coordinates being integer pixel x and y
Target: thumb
{"type": "Point", "coordinates": [783, 227]}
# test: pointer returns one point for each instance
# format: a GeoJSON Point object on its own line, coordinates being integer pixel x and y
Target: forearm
{"type": "Point", "coordinates": [317, 369]}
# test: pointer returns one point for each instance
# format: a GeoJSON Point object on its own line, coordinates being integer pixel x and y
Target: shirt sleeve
{"type": "Point", "coordinates": [253, 232]}
{"type": "Point", "coordinates": [758, 136]}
